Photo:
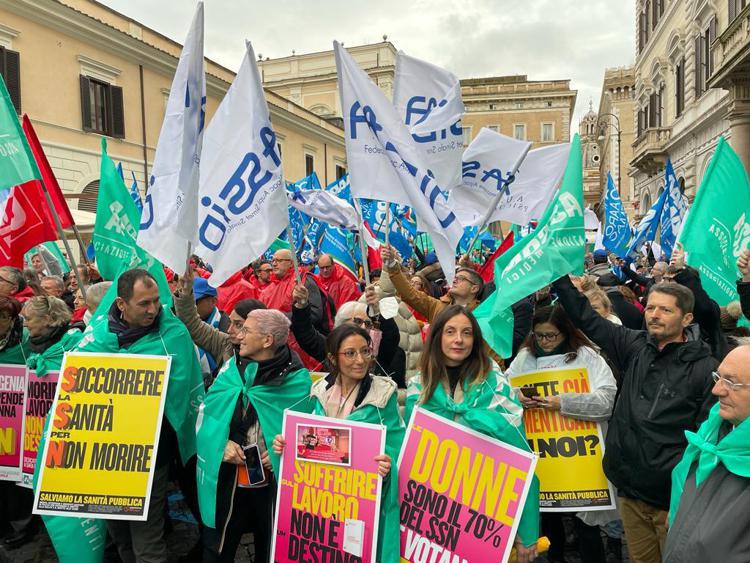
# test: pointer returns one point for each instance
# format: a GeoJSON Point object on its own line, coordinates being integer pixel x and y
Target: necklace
{"type": "Point", "coordinates": [342, 404]}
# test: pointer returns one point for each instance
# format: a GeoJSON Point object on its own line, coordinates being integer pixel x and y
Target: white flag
{"type": "Point", "coordinates": [325, 206]}
{"type": "Point", "coordinates": [599, 238]}
{"type": "Point", "coordinates": [488, 162]}
{"type": "Point", "coordinates": [170, 212]}
{"type": "Point", "coordinates": [242, 201]}
{"type": "Point", "coordinates": [590, 220]}
{"type": "Point", "coordinates": [428, 99]}
{"type": "Point", "coordinates": [536, 182]}
{"type": "Point", "coordinates": [385, 163]}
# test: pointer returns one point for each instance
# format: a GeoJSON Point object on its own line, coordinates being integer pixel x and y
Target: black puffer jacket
{"type": "Point", "coordinates": [743, 288]}
{"type": "Point", "coordinates": [662, 394]}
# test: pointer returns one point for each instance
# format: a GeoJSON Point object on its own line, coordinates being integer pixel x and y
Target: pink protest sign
{"type": "Point", "coordinates": [329, 490]}
{"type": "Point", "coordinates": [12, 409]}
{"type": "Point", "coordinates": [40, 395]}
{"type": "Point", "coordinates": [461, 492]}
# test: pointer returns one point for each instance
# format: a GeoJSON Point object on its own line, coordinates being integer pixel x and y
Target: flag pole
{"type": "Point", "coordinates": [81, 246]}
{"type": "Point", "coordinates": [498, 197]}
{"type": "Point", "coordinates": [60, 231]}
{"type": "Point", "coordinates": [387, 224]}
{"type": "Point", "coordinates": [362, 245]}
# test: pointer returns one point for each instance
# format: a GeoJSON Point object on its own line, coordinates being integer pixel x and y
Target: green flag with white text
{"type": "Point", "coordinates": [717, 226]}
{"type": "Point", "coordinates": [17, 164]}
{"type": "Point", "coordinates": [554, 249]}
{"type": "Point", "coordinates": [116, 231]}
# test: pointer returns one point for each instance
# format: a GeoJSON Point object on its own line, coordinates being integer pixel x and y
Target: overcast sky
{"type": "Point", "coordinates": [544, 39]}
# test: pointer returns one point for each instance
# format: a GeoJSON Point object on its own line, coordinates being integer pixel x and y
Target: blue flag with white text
{"type": "Point", "coordinates": [338, 244]}
{"type": "Point", "coordinates": [673, 212]}
{"type": "Point", "coordinates": [646, 230]}
{"type": "Point", "coordinates": [616, 225]}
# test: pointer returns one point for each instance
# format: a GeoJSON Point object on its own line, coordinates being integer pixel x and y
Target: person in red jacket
{"type": "Point", "coordinates": [340, 285]}
{"type": "Point", "coordinates": [233, 290]}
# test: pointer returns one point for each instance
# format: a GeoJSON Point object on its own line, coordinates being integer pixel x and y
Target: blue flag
{"type": "Point", "coordinates": [135, 194]}
{"type": "Point", "coordinates": [374, 212]}
{"type": "Point", "coordinates": [616, 224]}
{"type": "Point", "coordinates": [646, 230]}
{"type": "Point", "coordinates": [338, 244]}
{"type": "Point", "coordinates": [673, 212]}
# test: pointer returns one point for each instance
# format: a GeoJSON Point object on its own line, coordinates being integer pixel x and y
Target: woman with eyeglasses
{"type": "Point", "coordinates": [15, 502]}
{"type": "Point", "coordinates": [385, 334]}
{"type": "Point", "coordinates": [555, 343]}
{"type": "Point", "coordinates": [350, 392]}
{"type": "Point", "coordinates": [460, 382]}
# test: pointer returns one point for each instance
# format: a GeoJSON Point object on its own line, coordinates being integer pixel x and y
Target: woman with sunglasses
{"type": "Point", "coordinates": [555, 343]}
{"type": "Point", "coordinates": [385, 339]}
{"type": "Point", "coordinates": [460, 382]}
{"type": "Point", "coordinates": [350, 392]}
{"type": "Point", "coordinates": [15, 502]}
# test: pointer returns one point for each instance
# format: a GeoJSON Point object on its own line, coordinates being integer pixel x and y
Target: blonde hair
{"type": "Point", "coordinates": [48, 306]}
{"type": "Point", "coordinates": [601, 296]}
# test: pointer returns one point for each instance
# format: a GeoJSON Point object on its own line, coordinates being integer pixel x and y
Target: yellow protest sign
{"type": "Point", "coordinates": [100, 445]}
{"type": "Point", "coordinates": [570, 450]}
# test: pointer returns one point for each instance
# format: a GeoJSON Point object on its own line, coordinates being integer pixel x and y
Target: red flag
{"type": "Point", "coordinates": [24, 223]}
{"type": "Point", "coordinates": [374, 261]}
{"type": "Point", "coordinates": [487, 271]}
{"type": "Point", "coordinates": [48, 177]}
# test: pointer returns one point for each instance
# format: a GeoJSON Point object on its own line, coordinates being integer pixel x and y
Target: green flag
{"type": "Point", "coordinates": [55, 253]}
{"type": "Point", "coordinates": [717, 227]}
{"type": "Point", "coordinates": [116, 231]}
{"type": "Point", "coordinates": [555, 248]}
{"type": "Point", "coordinates": [17, 164]}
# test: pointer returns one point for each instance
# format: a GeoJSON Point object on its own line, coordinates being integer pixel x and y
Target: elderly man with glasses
{"type": "Point", "coordinates": [12, 284]}
{"type": "Point", "coordinates": [709, 514]}
{"type": "Point", "coordinates": [340, 284]}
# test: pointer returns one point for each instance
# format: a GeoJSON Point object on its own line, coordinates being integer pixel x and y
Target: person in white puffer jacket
{"type": "Point", "coordinates": [555, 343]}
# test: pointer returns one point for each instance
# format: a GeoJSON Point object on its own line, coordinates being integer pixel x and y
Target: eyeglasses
{"type": "Point", "coordinates": [276, 260]}
{"type": "Point", "coordinates": [367, 323]}
{"type": "Point", "coordinates": [546, 335]}
{"type": "Point", "coordinates": [729, 384]}
{"type": "Point", "coordinates": [6, 280]}
{"type": "Point", "coordinates": [265, 270]}
{"type": "Point", "coordinates": [465, 279]}
{"type": "Point", "coordinates": [245, 331]}
{"type": "Point", "coordinates": [352, 354]}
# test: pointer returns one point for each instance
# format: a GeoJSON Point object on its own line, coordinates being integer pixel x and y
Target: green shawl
{"type": "Point", "coordinates": [76, 540]}
{"type": "Point", "coordinates": [733, 451]}
{"type": "Point", "coordinates": [51, 359]}
{"type": "Point", "coordinates": [185, 388]}
{"type": "Point", "coordinates": [488, 407]}
{"type": "Point", "coordinates": [17, 354]}
{"type": "Point", "coordinates": [269, 401]}
{"type": "Point", "coordinates": [388, 528]}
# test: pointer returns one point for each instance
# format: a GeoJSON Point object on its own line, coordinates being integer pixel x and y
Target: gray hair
{"type": "Point", "coordinates": [15, 276]}
{"type": "Point", "coordinates": [48, 306]}
{"type": "Point", "coordinates": [95, 293]}
{"type": "Point", "coordinates": [601, 295]}
{"type": "Point", "coordinates": [347, 311]}
{"type": "Point", "coordinates": [58, 281]}
{"type": "Point", "coordinates": [272, 323]}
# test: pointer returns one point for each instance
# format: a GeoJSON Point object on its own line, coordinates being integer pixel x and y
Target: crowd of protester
{"type": "Point", "coordinates": [669, 373]}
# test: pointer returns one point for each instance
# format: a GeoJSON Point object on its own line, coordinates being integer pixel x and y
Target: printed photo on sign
{"type": "Point", "coordinates": [324, 444]}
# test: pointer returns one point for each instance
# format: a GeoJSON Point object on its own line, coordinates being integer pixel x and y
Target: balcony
{"type": "Point", "coordinates": [649, 154]}
{"type": "Point", "coordinates": [732, 52]}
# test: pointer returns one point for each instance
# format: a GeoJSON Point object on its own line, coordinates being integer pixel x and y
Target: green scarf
{"type": "Point", "coordinates": [733, 451]}
{"type": "Point", "coordinates": [76, 540]}
{"type": "Point", "coordinates": [482, 410]}
{"type": "Point", "coordinates": [269, 402]}
{"type": "Point", "coordinates": [17, 354]}
{"type": "Point", "coordinates": [185, 389]}
{"type": "Point", "coordinates": [51, 359]}
{"type": "Point", "coordinates": [388, 529]}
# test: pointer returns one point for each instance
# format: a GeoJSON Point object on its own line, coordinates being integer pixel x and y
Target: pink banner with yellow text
{"type": "Point", "coordinates": [461, 492]}
{"type": "Point", "coordinates": [40, 395]}
{"type": "Point", "coordinates": [12, 409]}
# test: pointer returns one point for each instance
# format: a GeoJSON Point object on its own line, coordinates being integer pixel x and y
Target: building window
{"type": "Point", "coordinates": [735, 7]}
{"type": "Point", "coordinates": [494, 128]}
{"type": "Point", "coordinates": [660, 107]}
{"type": "Point", "coordinates": [657, 9]}
{"type": "Point", "coordinates": [467, 135]}
{"type": "Point", "coordinates": [340, 172]}
{"type": "Point", "coordinates": [704, 57]}
{"type": "Point", "coordinates": [548, 132]}
{"type": "Point", "coordinates": [10, 69]}
{"type": "Point", "coordinates": [309, 164]}
{"type": "Point", "coordinates": [102, 108]}
{"type": "Point", "coordinates": [519, 131]}
{"type": "Point", "coordinates": [679, 86]}
{"type": "Point", "coordinates": [278, 147]}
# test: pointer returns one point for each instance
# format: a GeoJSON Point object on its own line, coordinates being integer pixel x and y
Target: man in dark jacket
{"type": "Point", "coordinates": [711, 485]}
{"type": "Point", "coordinates": [665, 390]}
{"type": "Point", "coordinates": [743, 285]}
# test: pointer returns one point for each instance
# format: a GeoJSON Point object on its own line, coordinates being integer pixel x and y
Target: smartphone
{"type": "Point", "coordinates": [255, 472]}
{"type": "Point", "coordinates": [529, 391]}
